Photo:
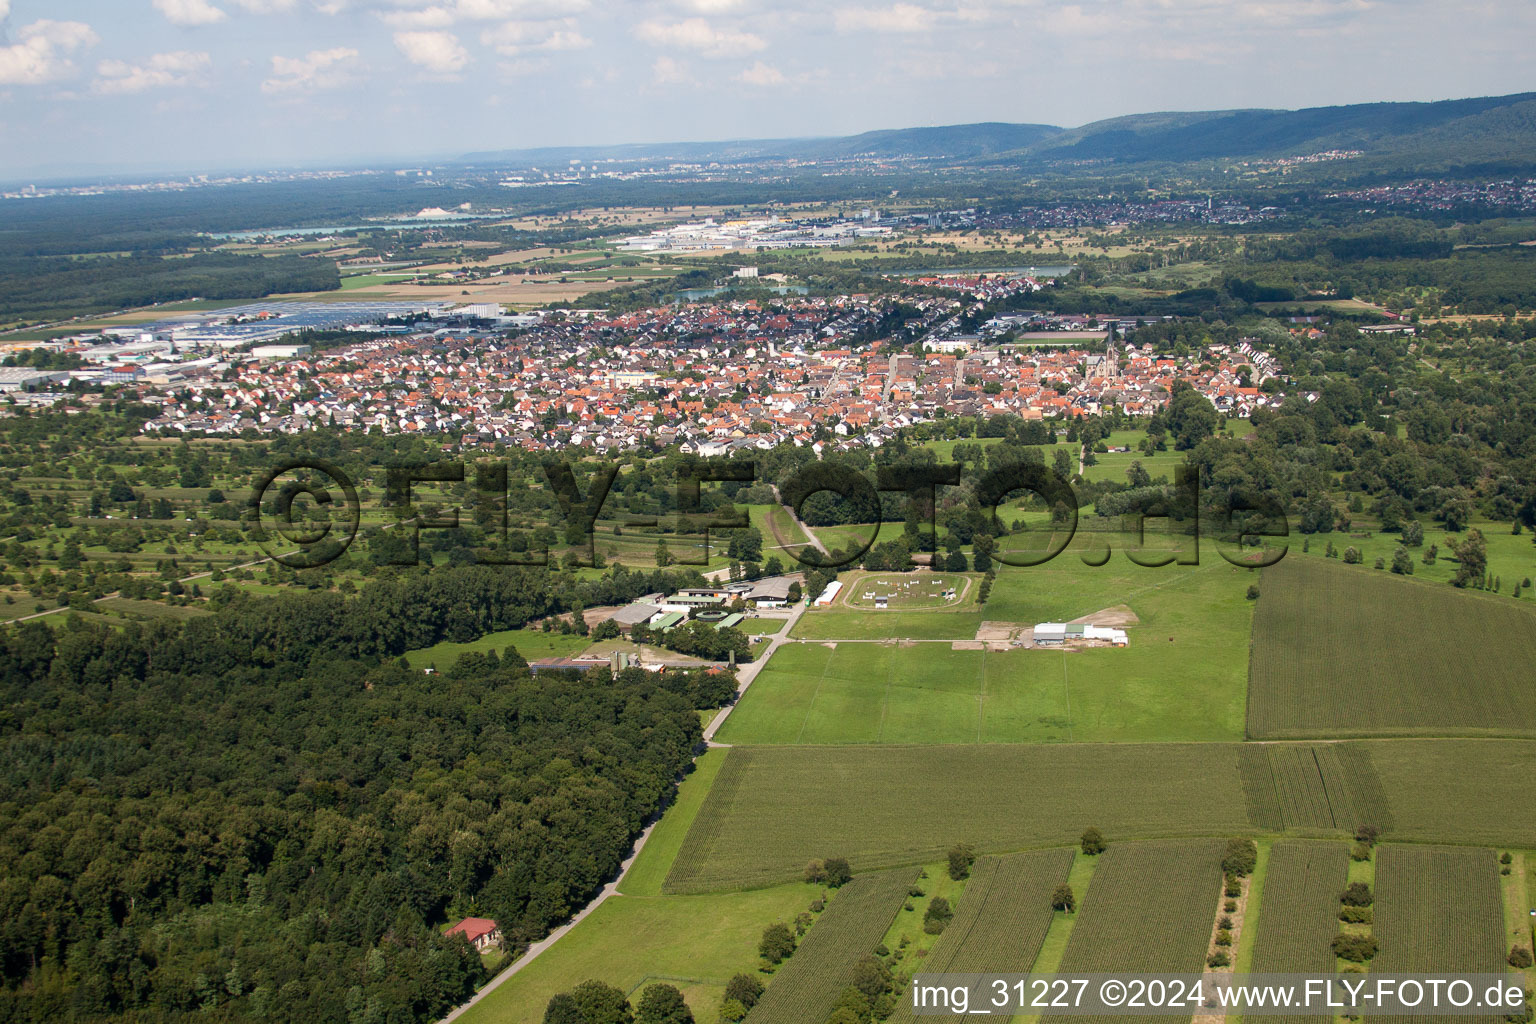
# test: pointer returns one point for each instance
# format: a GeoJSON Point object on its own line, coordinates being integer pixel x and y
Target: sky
{"type": "Point", "coordinates": [207, 85]}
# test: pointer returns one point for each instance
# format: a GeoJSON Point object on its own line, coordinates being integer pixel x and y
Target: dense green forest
{"type": "Point", "coordinates": [58, 287]}
{"type": "Point", "coordinates": [260, 814]}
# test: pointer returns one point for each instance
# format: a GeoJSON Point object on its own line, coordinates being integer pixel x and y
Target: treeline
{"type": "Point", "coordinates": [56, 288]}
{"type": "Point", "coordinates": [262, 814]}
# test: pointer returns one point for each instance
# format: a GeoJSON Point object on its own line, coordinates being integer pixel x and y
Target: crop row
{"type": "Point", "coordinates": [807, 987]}
{"type": "Point", "coordinates": [1341, 651]}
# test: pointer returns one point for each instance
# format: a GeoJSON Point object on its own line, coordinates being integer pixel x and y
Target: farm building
{"type": "Point", "coordinates": [734, 619]}
{"type": "Point", "coordinates": [1065, 632]}
{"type": "Point", "coordinates": [667, 621]}
{"type": "Point", "coordinates": [770, 593]}
{"type": "Point", "coordinates": [630, 616]}
{"type": "Point", "coordinates": [690, 600]}
{"type": "Point", "coordinates": [566, 665]}
{"type": "Point", "coordinates": [481, 932]}
{"type": "Point", "coordinates": [830, 594]}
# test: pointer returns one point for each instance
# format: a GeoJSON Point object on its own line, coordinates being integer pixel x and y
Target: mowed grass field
{"type": "Point", "coordinates": [693, 942]}
{"type": "Point", "coordinates": [1346, 650]}
{"type": "Point", "coordinates": [532, 644]}
{"type": "Point", "coordinates": [773, 808]}
{"type": "Point", "coordinates": [1182, 678]}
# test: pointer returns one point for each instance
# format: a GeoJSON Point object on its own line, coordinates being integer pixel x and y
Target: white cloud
{"type": "Point", "coordinates": [411, 14]}
{"type": "Point", "coordinates": [761, 74]}
{"type": "Point", "coordinates": [161, 70]}
{"type": "Point", "coordinates": [899, 18]}
{"type": "Point", "coordinates": [712, 6]}
{"type": "Point", "coordinates": [318, 69]}
{"type": "Point", "coordinates": [439, 52]}
{"type": "Point", "coordinates": [267, 6]}
{"type": "Point", "coordinates": [5, 9]}
{"type": "Point", "coordinates": [669, 71]}
{"type": "Point", "coordinates": [698, 34]}
{"type": "Point", "coordinates": [189, 12]}
{"type": "Point", "coordinates": [514, 37]}
{"type": "Point", "coordinates": [40, 53]}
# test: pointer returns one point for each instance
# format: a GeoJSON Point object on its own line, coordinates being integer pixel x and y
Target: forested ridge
{"type": "Point", "coordinates": [262, 814]}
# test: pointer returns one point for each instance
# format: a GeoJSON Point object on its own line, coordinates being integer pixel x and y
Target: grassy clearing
{"type": "Point", "coordinates": [532, 644]}
{"type": "Point", "coordinates": [807, 987]}
{"type": "Point", "coordinates": [1347, 651]}
{"type": "Point", "coordinates": [694, 942]}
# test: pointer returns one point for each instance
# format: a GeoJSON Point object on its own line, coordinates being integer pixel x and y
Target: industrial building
{"type": "Point", "coordinates": [1049, 633]}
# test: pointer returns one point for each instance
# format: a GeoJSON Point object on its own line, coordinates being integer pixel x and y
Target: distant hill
{"type": "Point", "coordinates": [1370, 127]}
{"type": "Point", "coordinates": [1449, 132]}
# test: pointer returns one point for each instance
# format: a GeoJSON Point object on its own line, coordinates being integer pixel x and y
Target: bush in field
{"type": "Point", "coordinates": [937, 916]}
{"type": "Point", "coordinates": [1093, 842]}
{"type": "Point", "coordinates": [1360, 852]}
{"type": "Point", "coordinates": [961, 857]}
{"type": "Point", "coordinates": [745, 989]}
{"type": "Point", "coordinates": [1218, 959]}
{"type": "Point", "coordinates": [1356, 915]}
{"type": "Point", "coordinates": [816, 873]}
{"type": "Point", "coordinates": [731, 1012]}
{"type": "Point", "coordinates": [1241, 857]}
{"type": "Point", "coordinates": [1064, 898]}
{"type": "Point", "coordinates": [838, 871]}
{"type": "Point", "coordinates": [1520, 957]}
{"type": "Point", "coordinates": [662, 1004]}
{"type": "Point", "coordinates": [1367, 834]}
{"type": "Point", "coordinates": [1357, 894]}
{"type": "Point", "coordinates": [1354, 948]}
{"type": "Point", "coordinates": [778, 942]}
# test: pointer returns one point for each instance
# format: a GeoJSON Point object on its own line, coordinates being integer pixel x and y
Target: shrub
{"type": "Point", "coordinates": [1218, 959]}
{"type": "Point", "coordinates": [1367, 834]}
{"type": "Point", "coordinates": [1357, 894]}
{"type": "Point", "coordinates": [1506, 858]}
{"type": "Point", "coordinates": [1093, 842]}
{"type": "Point", "coordinates": [838, 871]}
{"type": "Point", "coordinates": [778, 942]}
{"type": "Point", "coordinates": [1360, 851]}
{"type": "Point", "coordinates": [1356, 915]}
{"type": "Point", "coordinates": [1229, 906]}
{"type": "Point", "coordinates": [731, 1012]}
{"type": "Point", "coordinates": [1223, 938]}
{"type": "Point", "coordinates": [1241, 856]}
{"type": "Point", "coordinates": [961, 857]}
{"type": "Point", "coordinates": [1351, 556]}
{"type": "Point", "coordinates": [745, 989]}
{"type": "Point", "coordinates": [1233, 889]}
{"type": "Point", "coordinates": [1520, 957]}
{"type": "Point", "coordinates": [937, 916]}
{"type": "Point", "coordinates": [1354, 948]}
{"type": "Point", "coordinates": [1224, 922]}
{"type": "Point", "coordinates": [1253, 591]}
{"type": "Point", "coordinates": [816, 873]}
{"type": "Point", "coordinates": [1064, 898]}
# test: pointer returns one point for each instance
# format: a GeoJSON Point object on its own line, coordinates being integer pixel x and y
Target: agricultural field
{"type": "Point", "coordinates": [881, 806]}
{"type": "Point", "coordinates": [889, 805]}
{"type": "Point", "coordinates": [1313, 786]}
{"type": "Point", "coordinates": [1150, 909]}
{"type": "Point", "coordinates": [808, 985]}
{"type": "Point", "coordinates": [1298, 913]}
{"type": "Point", "coordinates": [1344, 650]}
{"type": "Point", "coordinates": [1001, 920]}
{"type": "Point", "coordinates": [1438, 910]}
